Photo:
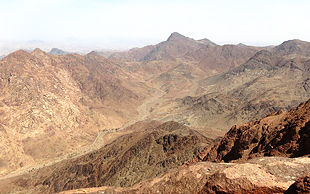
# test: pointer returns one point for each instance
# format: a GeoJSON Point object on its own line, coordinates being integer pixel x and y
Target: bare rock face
{"type": "Point", "coordinates": [262, 175]}
{"type": "Point", "coordinates": [302, 185]}
{"type": "Point", "coordinates": [279, 134]}
{"type": "Point", "coordinates": [293, 47]}
{"type": "Point", "coordinates": [126, 161]}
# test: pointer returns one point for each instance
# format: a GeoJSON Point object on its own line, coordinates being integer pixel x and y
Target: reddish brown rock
{"type": "Point", "coordinates": [263, 175]}
{"type": "Point", "coordinates": [302, 185]}
{"type": "Point", "coordinates": [279, 134]}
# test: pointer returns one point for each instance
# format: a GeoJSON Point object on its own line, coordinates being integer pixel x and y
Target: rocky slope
{"type": "Point", "coordinates": [252, 90]}
{"type": "Point", "coordinates": [143, 154]}
{"type": "Point", "coordinates": [178, 65]}
{"type": "Point", "coordinates": [265, 175]}
{"type": "Point", "coordinates": [279, 134]}
{"type": "Point", "coordinates": [59, 103]}
{"type": "Point", "coordinates": [302, 185]}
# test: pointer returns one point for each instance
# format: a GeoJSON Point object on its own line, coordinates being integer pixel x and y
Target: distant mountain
{"type": "Point", "coordinates": [135, 54]}
{"type": "Point", "coordinates": [292, 48]}
{"type": "Point", "coordinates": [176, 46]}
{"type": "Point", "coordinates": [56, 51]}
{"type": "Point", "coordinates": [205, 54]}
{"type": "Point", "coordinates": [182, 62]}
{"type": "Point", "coordinates": [252, 90]}
{"type": "Point", "coordinates": [2, 56]}
{"type": "Point", "coordinates": [107, 53]}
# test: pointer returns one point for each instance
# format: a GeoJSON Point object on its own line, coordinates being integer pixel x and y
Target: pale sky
{"type": "Point", "coordinates": [128, 23]}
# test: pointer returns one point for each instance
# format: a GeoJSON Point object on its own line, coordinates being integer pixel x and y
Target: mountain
{"type": "Point", "coordinates": [145, 153]}
{"type": "Point", "coordinates": [176, 68]}
{"type": "Point", "coordinates": [56, 51]}
{"type": "Point", "coordinates": [59, 103]}
{"type": "Point", "coordinates": [279, 134]}
{"type": "Point", "coordinates": [176, 46]}
{"type": "Point", "coordinates": [205, 54]}
{"type": "Point", "coordinates": [248, 92]}
{"type": "Point", "coordinates": [292, 48]}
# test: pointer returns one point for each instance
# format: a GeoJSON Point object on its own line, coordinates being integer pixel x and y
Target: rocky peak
{"type": "Point", "coordinates": [295, 46]}
{"type": "Point", "coordinates": [19, 53]}
{"type": "Point", "coordinates": [175, 36]}
{"type": "Point", "coordinates": [19, 56]}
{"type": "Point", "coordinates": [38, 52]}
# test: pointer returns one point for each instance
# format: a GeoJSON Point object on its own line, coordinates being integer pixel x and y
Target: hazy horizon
{"type": "Point", "coordinates": [76, 25]}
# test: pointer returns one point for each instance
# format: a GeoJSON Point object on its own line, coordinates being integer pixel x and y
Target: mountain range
{"type": "Point", "coordinates": [123, 119]}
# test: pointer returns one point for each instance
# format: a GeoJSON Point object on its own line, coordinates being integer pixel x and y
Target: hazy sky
{"type": "Point", "coordinates": [134, 22]}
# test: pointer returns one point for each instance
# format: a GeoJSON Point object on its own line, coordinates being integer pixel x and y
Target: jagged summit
{"type": "Point", "coordinates": [38, 51]}
{"type": "Point", "coordinates": [295, 46]}
{"type": "Point", "coordinates": [19, 55]}
{"type": "Point", "coordinates": [176, 36]}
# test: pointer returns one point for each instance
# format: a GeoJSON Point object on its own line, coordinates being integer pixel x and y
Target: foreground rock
{"type": "Point", "coordinates": [261, 175]}
{"type": "Point", "coordinates": [302, 185]}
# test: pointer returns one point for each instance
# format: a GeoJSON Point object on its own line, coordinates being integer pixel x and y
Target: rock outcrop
{"type": "Point", "coordinates": [302, 185]}
{"type": "Point", "coordinates": [262, 175]}
{"type": "Point", "coordinates": [279, 134]}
